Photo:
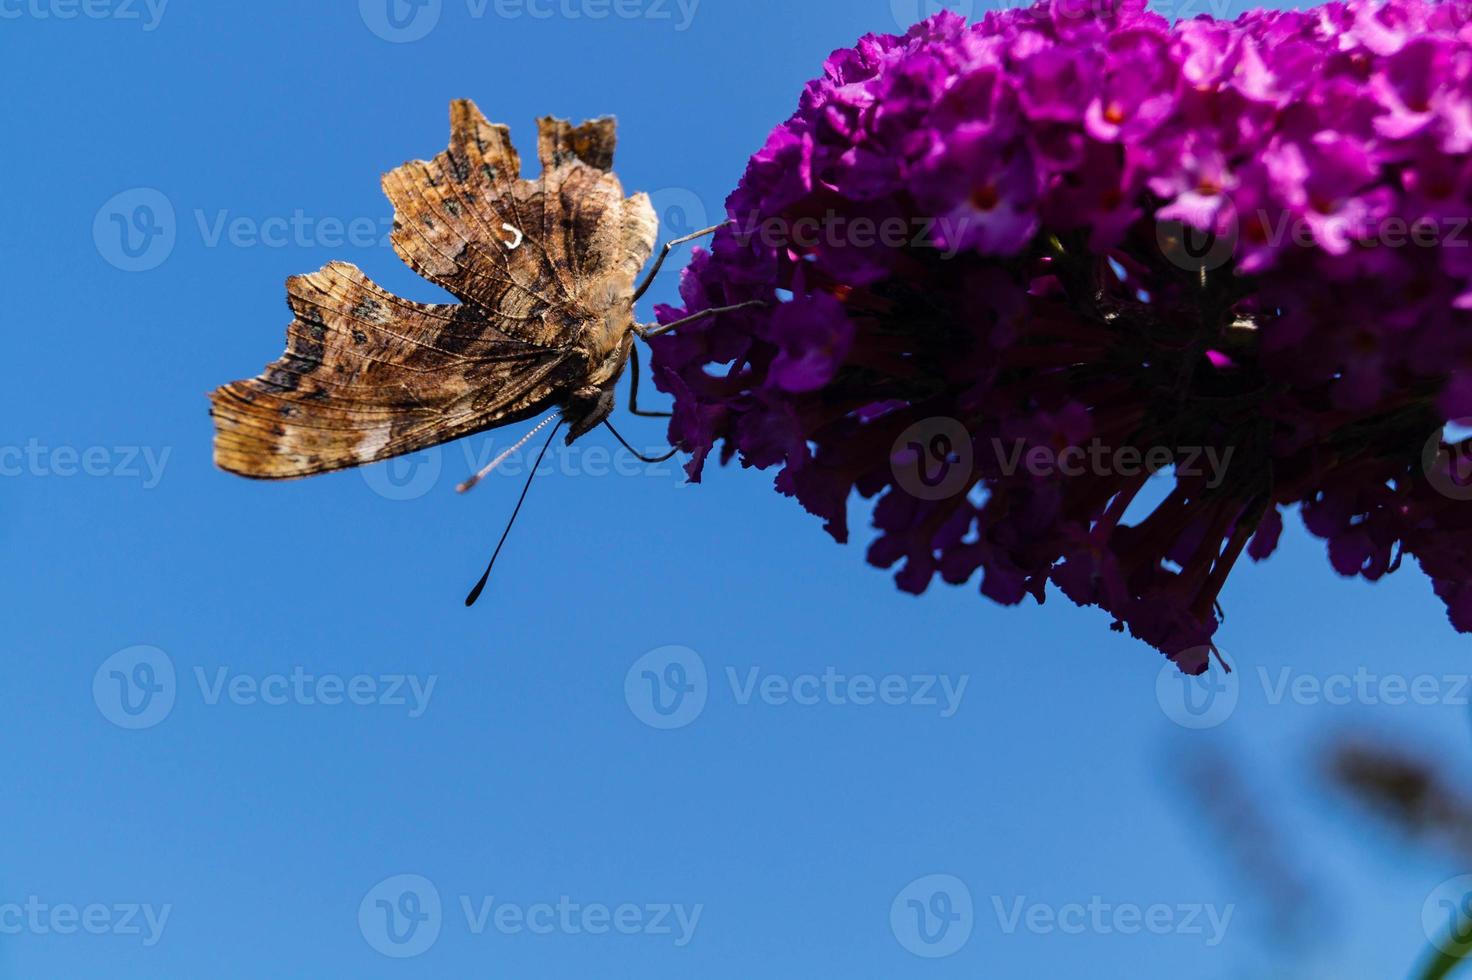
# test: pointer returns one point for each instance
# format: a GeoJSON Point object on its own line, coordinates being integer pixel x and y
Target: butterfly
{"type": "Point", "coordinates": [544, 271]}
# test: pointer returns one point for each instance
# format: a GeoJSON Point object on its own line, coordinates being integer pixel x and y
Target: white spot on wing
{"type": "Point", "coordinates": [373, 442]}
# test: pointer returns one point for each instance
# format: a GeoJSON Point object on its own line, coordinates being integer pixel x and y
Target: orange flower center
{"type": "Point", "coordinates": [985, 197]}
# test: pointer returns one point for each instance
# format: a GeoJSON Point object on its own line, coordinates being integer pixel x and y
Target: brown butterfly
{"type": "Point", "coordinates": [544, 271]}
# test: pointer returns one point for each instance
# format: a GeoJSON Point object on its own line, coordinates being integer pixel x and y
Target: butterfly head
{"type": "Point", "coordinates": [586, 408]}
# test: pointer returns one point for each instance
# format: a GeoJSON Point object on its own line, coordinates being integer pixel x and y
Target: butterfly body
{"type": "Point", "coordinates": [544, 272]}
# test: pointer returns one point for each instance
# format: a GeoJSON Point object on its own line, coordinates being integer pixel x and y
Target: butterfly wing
{"type": "Point", "coordinates": [550, 258]}
{"type": "Point", "coordinates": [368, 375]}
{"type": "Point", "coordinates": [539, 267]}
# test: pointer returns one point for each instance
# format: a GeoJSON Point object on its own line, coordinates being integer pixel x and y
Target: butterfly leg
{"type": "Point", "coordinates": [654, 330]}
{"type": "Point", "coordinates": [665, 253]}
{"type": "Point", "coordinates": [634, 408]}
{"type": "Point", "coordinates": [638, 455]}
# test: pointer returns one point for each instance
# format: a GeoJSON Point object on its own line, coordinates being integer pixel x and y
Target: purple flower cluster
{"type": "Point", "coordinates": [1065, 227]}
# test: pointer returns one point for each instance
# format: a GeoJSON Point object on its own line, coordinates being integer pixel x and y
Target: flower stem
{"type": "Point", "coordinates": [1445, 956]}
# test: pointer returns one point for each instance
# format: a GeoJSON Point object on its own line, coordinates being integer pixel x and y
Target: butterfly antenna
{"type": "Point", "coordinates": [468, 484]}
{"type": "Point", "coordinates": [669, 247]}
{"type": "Point", "coordinates": [653, 330]}
{"type": "Point", "coordinates": [647, 459]}
{"type": "Point", "coordinates": [481, 585]}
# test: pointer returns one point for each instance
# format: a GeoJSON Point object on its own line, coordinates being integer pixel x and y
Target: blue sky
{"type": "Point", "coordinates": [252, 731]}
